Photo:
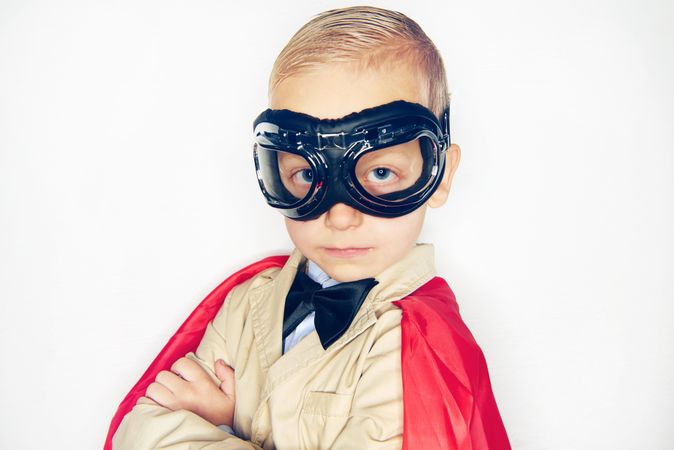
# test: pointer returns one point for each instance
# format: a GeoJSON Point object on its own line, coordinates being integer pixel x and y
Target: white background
{"type": "Point", "coordinates": [127, 193]}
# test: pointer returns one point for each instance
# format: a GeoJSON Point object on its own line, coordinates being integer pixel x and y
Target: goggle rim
{"type": "Point", "coordinates": [357, 190]}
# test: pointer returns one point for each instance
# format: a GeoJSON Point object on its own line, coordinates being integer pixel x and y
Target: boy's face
{"type": "Point", "coordinates": [346, 243]}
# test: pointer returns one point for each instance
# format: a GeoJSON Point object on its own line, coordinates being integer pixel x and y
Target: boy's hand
{"type": "Point", "coordinates": [188, 386]}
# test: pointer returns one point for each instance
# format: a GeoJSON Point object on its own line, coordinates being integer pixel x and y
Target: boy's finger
{"type": "Point", "coordinates": [146, 401]}
{"type": "Point", "coordinates": [188, 369]}
{"type": "Point", "coordinates": [160, 394]}
{"type": "Point", "coordinates": [226, 376]}
{"type": "Point", "coordinates": [222, 370]}
{"type": "Point", "coordinates": [169, 379]}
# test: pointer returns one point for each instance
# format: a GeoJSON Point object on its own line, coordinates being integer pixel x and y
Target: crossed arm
{"type": "Point", "coordinates": [181, 409]}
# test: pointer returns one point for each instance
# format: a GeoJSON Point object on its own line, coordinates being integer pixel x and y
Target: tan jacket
{"type": "Point", "coordinates": [346, 397]}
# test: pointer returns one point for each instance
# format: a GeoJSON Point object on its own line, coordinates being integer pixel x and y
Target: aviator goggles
{"type": "Point", "coordinates": [384, 161]}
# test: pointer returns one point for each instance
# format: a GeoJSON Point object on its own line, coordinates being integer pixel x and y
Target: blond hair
{"type": "Point", "coordinates": [370, 38]}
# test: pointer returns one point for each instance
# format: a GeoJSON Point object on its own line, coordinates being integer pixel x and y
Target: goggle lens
{"type": "Point", "coordinates": [287, 178]}
{"type": "Point", "coordinates": [395, 173]}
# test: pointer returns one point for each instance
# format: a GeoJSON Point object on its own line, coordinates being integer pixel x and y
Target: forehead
{"type": "Point", "coordinates": [335, 90]}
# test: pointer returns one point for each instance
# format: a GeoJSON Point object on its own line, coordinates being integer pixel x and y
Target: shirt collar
{"type": "Point", "coordinates": [316, 273]}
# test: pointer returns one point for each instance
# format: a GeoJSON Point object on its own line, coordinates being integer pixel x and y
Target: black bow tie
{"type": "Point", "coordinates": [335, 306]}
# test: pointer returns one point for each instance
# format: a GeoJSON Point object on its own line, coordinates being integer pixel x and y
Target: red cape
{"type": "Point", "coordinates": [447, 397]}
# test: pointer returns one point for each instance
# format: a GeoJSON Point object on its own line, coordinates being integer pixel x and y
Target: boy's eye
{"type": "Point", "coordinates": [303, 176]}
{"type": "Point", "coordinates": [380, 174]}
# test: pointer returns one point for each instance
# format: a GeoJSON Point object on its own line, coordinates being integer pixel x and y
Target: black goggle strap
{"type": "Point", "coordinates": [446, 140]}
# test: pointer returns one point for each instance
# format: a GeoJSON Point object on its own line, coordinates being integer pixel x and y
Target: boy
{"type": "Point", "coordinates": [354, 148]}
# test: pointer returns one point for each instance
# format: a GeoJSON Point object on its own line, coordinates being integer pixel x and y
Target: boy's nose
{"type": "Point", "coordinates": [342, 217]}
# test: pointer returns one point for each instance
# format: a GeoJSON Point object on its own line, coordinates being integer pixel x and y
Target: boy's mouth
{"type": "Point", "coordinates": [348, 252]}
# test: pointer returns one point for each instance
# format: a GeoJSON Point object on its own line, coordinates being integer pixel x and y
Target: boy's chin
{"type": "Point", "coordinates": [345, 272]}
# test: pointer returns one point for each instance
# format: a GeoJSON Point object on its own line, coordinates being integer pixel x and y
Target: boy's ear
{"type": "Point", "coordinates": [440, 195]}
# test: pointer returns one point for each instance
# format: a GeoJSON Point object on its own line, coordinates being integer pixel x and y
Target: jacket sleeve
{"type": "Point", "coordinates": [155, 427]}
{"type": "Point", "coordinates": [376, 418]}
